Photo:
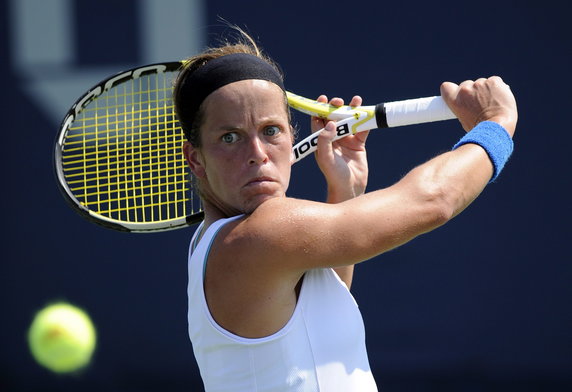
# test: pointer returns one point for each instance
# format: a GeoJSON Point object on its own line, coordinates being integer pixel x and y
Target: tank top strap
{"type": "Point", "coordinates": [202, 244]}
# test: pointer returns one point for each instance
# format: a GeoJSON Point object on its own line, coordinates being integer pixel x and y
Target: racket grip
{"type": "Point", "coordinates": [413, 111]}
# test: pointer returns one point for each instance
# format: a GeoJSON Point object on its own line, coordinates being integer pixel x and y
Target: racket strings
{"type": "Point", "coordinates": [86, 137]}
{"type": "Point", "coordinates": [122, 156]}
{"type": "Point", "coordinates": [94, 159]}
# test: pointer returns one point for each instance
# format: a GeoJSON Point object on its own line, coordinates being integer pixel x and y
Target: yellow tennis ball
{"type": "Point", "coordinates": [62, 338]}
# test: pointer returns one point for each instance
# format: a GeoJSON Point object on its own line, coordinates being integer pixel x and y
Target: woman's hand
{"type": "Point", "coordinates": [343, 162]}
{"type": "Point", "coordinates": [485, 99]}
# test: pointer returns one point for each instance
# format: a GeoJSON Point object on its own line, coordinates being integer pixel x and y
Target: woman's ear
{"type": "Point", "coordinates": [194, 159]}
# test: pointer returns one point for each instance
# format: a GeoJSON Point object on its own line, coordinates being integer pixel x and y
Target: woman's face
{"type": "Point", "coordinates": [246, 145]}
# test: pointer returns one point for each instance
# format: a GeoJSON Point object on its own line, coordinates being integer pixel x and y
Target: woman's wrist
{"type": "Point", "coordinates": [494, 139]}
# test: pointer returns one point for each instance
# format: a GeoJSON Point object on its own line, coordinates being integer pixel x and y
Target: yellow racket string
{"type": "Point", "coordinates": [122, 157]}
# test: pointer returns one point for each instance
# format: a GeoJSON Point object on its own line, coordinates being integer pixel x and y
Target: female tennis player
{"type": "Point", "coordinates": [269, 276]}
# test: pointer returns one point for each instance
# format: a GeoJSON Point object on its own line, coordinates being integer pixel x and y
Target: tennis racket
{"type": "Point", "coordinates": [118, 155]}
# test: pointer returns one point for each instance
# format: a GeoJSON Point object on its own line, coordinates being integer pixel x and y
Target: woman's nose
{"type": "Point", "coordinates": [257, 151]}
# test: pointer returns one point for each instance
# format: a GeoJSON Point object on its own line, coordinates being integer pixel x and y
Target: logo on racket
{"type": "Point", "coordinates": [305, 146]}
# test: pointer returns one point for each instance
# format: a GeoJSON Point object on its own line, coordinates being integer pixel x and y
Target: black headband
{"type": "Point", "coordinates": [216, 73]}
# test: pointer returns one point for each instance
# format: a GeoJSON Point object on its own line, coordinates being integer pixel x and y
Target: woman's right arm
{"type": "Point", "coordinates": [292, 236]}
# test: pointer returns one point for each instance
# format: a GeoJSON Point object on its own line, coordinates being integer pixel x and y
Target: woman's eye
{"type": "Point", "coordinates": [230, 137]}
{"type": "Point", "coordinates": [272, 130]}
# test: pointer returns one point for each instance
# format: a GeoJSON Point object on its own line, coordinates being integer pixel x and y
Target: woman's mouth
{"type": "Point", "coordinates": [259, 180]}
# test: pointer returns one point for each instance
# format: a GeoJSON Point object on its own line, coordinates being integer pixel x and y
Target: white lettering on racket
{"type": "Point", "coordinates": [310, 144]}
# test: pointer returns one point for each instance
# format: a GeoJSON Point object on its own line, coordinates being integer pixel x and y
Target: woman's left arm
{"type": "Point", "coordinates": [343, 164]}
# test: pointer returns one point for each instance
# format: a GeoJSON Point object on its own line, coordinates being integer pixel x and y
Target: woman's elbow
{"type": "Point", "coordinates": [438, 203]}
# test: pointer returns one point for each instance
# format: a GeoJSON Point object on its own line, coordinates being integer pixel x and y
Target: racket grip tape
{"type": "Point", "coordinates": [412, 111]}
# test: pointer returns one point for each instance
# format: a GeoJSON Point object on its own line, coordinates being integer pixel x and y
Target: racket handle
{"type": "Point", "coordinates": [412, 111]}
{"type": "Point", "coordinates": [387, 115]}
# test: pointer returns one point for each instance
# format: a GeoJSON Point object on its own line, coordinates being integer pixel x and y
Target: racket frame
{"type": "Point", "coordinates": [75, 110]}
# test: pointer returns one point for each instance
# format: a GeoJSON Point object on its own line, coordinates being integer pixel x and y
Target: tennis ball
{"type": "Point", "coordinates": [62, 338]}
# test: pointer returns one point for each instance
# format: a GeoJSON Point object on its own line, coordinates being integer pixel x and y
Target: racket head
{"type": "Point", "coordinates": [118, 154]}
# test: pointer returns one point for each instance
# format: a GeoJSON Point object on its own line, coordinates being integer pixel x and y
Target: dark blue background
{"type": "Point", "coordinates": [481, 304]}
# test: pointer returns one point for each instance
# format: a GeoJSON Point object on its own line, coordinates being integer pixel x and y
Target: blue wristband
{"type": "Point", "coordinates": [494, 139]}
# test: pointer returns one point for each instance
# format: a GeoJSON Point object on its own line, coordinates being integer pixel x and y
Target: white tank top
{"type": "Point", "coordinates": [321, 348]}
